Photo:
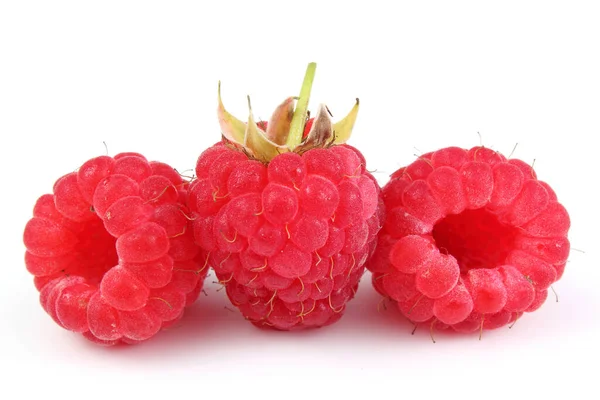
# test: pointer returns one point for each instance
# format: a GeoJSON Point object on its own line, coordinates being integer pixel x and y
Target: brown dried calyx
{"type": "Point", "coordinates": [285, 129]}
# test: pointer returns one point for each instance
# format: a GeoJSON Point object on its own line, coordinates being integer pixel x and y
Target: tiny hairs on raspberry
{"type": "Point", "coordinates": [107, 248]}
{"type": "Point", "coordinates": [289, 218]}
{"type": "Point", "coordinates": [471, 240]}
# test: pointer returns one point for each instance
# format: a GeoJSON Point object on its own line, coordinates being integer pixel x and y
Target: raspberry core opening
{"type": "Point", "coordinates": [475, 238]}
{"type": "Point", "coordinates": [95, 253]}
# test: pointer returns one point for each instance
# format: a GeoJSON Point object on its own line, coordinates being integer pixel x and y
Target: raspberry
{"type": "Point", "coordinates": [290, 232]}
{"type": "Point", "coordinates": [291, 254]}
{"type": "Point", "coordinates": [112, 249]}
{"type": "Point", "coordinates": [471, 240]}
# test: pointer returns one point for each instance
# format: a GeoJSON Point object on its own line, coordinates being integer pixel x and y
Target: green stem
{"type": "Point", "coordinates": [300, 113]}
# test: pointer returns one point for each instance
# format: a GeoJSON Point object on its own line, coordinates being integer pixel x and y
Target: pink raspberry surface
{"type": "Point", "coordinates": [471, 240]}
{"type": "Point", "coordinates": [288, 239]}
{"type": "Point", "coordinates": [112, 249]}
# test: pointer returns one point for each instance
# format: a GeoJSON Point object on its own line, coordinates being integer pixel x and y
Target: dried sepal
{"type": "Point", "coordinates": [256, 142]}
{"type": "Point", "coordinates": [343, 128]}
{"type": "Point", "coordinates": [321, 132]}
{"type": "Point", "coordinates": [278, 127]}
{"type": "Point", "coordinates": [231, 128]}
{"type": "Point", "coordinates": [285, 130]}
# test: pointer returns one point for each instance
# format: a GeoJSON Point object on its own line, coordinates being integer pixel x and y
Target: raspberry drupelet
{"type": "Point", "coordinates": [112, 249]}
{"type": "Point", "coordinates": [471, 240]}
{"type": "Point", "coordinates": [286, 214]}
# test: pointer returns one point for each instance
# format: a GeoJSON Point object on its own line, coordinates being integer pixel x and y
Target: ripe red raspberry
{"type": "Point", "coordinates": [471, 240]}
{"type": "Point", "coordinates": [112, 249]}
{"type": "Point", "coordinates": [287, 224]}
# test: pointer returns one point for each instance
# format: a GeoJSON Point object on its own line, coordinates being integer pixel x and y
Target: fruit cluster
{"type": "Point", "coordinates": [288, 217]}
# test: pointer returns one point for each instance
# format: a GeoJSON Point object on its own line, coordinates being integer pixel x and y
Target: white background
{"type": "Point", "coordinates": [142, 76]}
